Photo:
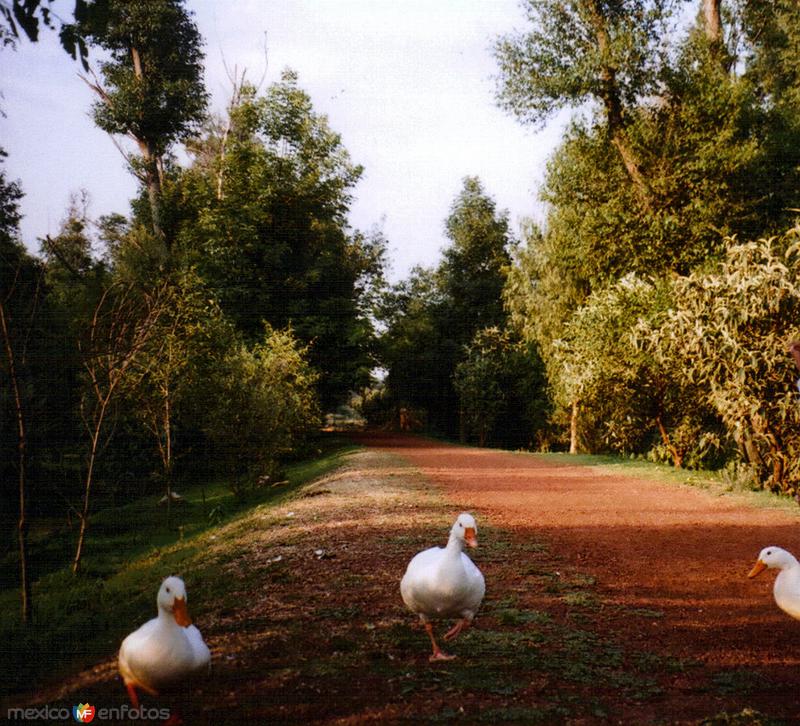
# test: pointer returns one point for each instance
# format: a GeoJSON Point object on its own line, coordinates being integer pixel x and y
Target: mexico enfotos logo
{"type": "Point", "coordinates": [86, 713]}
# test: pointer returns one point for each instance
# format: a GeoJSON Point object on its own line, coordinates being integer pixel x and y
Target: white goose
{"type": "Point", "coordinates": [166, 650]}
{"type": "Point", "coordinates": [787, 584]}
{"type": "Point", "coordinates": [443, 582]}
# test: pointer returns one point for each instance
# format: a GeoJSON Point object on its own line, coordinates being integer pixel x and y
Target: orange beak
{"type": "Point", "coordinates": [181, 613]}
{"type": "Point", "coordinates": [470, 537]}
{"type": "Point", "coordinates": [758, 568]}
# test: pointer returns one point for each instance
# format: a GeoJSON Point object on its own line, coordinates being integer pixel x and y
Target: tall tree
{"type": "Point", "coordinates": [473, 269]}
{"type": "Point", "coordinates": [577, 51]}
{"type": "Point", "coordinates": [20, 293]}
{"type": "Point", "coordinates": [152, 84]}
{"type": "Point", "coordinates": [174, 362]}
{"type": "Point", "coordinates": [265, 222]}
{"type": "Point", "coordinates": [434, 316]}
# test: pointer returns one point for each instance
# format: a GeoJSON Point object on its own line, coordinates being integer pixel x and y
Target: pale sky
{"type": "Point", "coordinates": [407, 83]}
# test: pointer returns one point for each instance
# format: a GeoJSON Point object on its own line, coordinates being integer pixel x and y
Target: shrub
{"type": "Point", "coordinates": [263, 406]}
{"type": "Point", "coordinates": [729, 327]}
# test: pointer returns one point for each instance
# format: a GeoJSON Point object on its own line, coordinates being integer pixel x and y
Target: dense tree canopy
{"type": "Point", "coordinates": [265, 207]}
{"type": "Point", "coordinates": [433, 317]}
{"type": "Point", "coordinates": [152, 88]}
{"type": "Point", "coordinates": [709, 120]}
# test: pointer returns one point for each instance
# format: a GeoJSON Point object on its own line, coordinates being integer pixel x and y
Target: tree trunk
{"type": "Point", "coordinates": [712, 21]}
{"type": "Point", "coordinates": [573, 428]}
{"type": "Point", "coordinates": [153, 183]}
{"type": "Point", "coordinates": [168, 454]}
{"type": "Point", "coordinates": [677, 456]}
{"type": "Point", "coordinates": [22, 524]}
{"type": "Point", "coordinates": [614, 112]}
{"type": "Point", "coordinates": [98, 424]}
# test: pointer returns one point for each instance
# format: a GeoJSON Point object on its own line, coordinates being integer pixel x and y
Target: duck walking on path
{"type": "Point", "coordinates": [167, 650]}
{"type": "Point", "coordinates": [787, 584]}
{"type": "Point", "coordinates": [442, 582]}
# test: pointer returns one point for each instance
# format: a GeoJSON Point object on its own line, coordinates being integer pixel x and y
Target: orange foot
{"type": "Point", "coordinates": [133, 695]}
{"type": "Point", "coordinates": [456, 629]}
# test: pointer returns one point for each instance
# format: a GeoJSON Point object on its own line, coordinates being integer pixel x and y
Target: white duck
{"type": "Point", "coordinates": [444, 582]}
{"type": "Point", "coordinates": [166, 650]}
{"type": "Point", "coordinates": [787, 584]}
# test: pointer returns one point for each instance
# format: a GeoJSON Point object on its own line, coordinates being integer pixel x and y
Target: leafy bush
{"type": "Point", "coordinates": [627, 396]}
{"type": "Point", "coordinates": [729, 328]}
{"type": "Point", "coordinates": [501, 379]}
{"type": "Point", "coordinates": [263, 405]}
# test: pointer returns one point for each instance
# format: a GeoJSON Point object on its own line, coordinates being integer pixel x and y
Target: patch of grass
{"type": "Point", "coordinates": [513, 616]}
{"type": "Point", "coordinates": [77, 619]}
{"type": "Point", "coordinates": [581, 599]}
{"type": "Point", "coordinates": [737, 681]}
{"type": "Point", "coordinates": [746, 717]}
{"type": "Point", "coordinates": [647, 613]}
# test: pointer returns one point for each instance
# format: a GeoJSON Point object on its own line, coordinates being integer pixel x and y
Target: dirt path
{"type": "Point", "coordinates": [653, 548]}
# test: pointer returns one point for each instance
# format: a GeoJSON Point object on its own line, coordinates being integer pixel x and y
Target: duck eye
{"type": "Point", "coordinates": [167, 589]}
{"type": "Point", "coordinates": [461, 525]}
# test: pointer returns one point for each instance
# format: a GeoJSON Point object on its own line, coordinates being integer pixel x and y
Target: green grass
{"type": "Point", "coordinates": [128, 551]}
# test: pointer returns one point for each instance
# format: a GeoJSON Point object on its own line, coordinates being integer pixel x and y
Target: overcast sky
{"type": "Point", "coordinates": [407, 83]}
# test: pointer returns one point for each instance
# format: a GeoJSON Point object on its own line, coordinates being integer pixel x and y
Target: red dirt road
{"type": "Point", "coordinates": [651, 547]}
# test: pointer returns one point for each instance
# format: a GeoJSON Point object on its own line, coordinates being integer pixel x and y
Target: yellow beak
{"type": "Point", "coordinates": [758, 568]}
{"type": "Point", "coordinates": [470, 537]}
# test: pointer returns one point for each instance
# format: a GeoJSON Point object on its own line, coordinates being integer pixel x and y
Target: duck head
{"type": "Point", "coordinates": [772, 557]}
{"type": "Point", "coordinates": [465, 530]}
{"type": "Point", "coordinates": [172, 600]}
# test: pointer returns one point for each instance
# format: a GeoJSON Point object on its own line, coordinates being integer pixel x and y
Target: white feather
{"type": "Point", "coordinates": [162, 653]}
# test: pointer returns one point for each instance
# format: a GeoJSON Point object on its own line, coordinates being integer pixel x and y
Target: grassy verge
{"type": "Point", "coordinates": [129, 549]}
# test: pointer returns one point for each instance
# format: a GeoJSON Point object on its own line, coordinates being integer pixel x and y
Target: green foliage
{"type": "Point", "coordinates": [154, 88]}
{"type": "Point", "coordinates": [606, 361]}
{"type": "Point", "coordinates": [433, 316]}
{"type": "Point", "coordinates": [476, 382]}
{"type": "Point", "coordinates": [261, 406]}
{"type": "Point", "coordinates": [412, 347]}
{"type": "Point", "coordinates": [501, 380]}
{"type": "Point", "coordinates": [46, 369]}
{"type": "Point", "coordinates": [730, 327]}
{"type": "Point", "coordinates": [165, 391]}
{"type": "Point", "coordinates": [687, 152]}
{"type": "Point", "coordinates": [560, 61]}
{"type": "Point", "coordinates": [772, 32]}
{"type": "Point", "coordinates": [473, 269]}
{"type": "Point", "coordinates": [265, 221]}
